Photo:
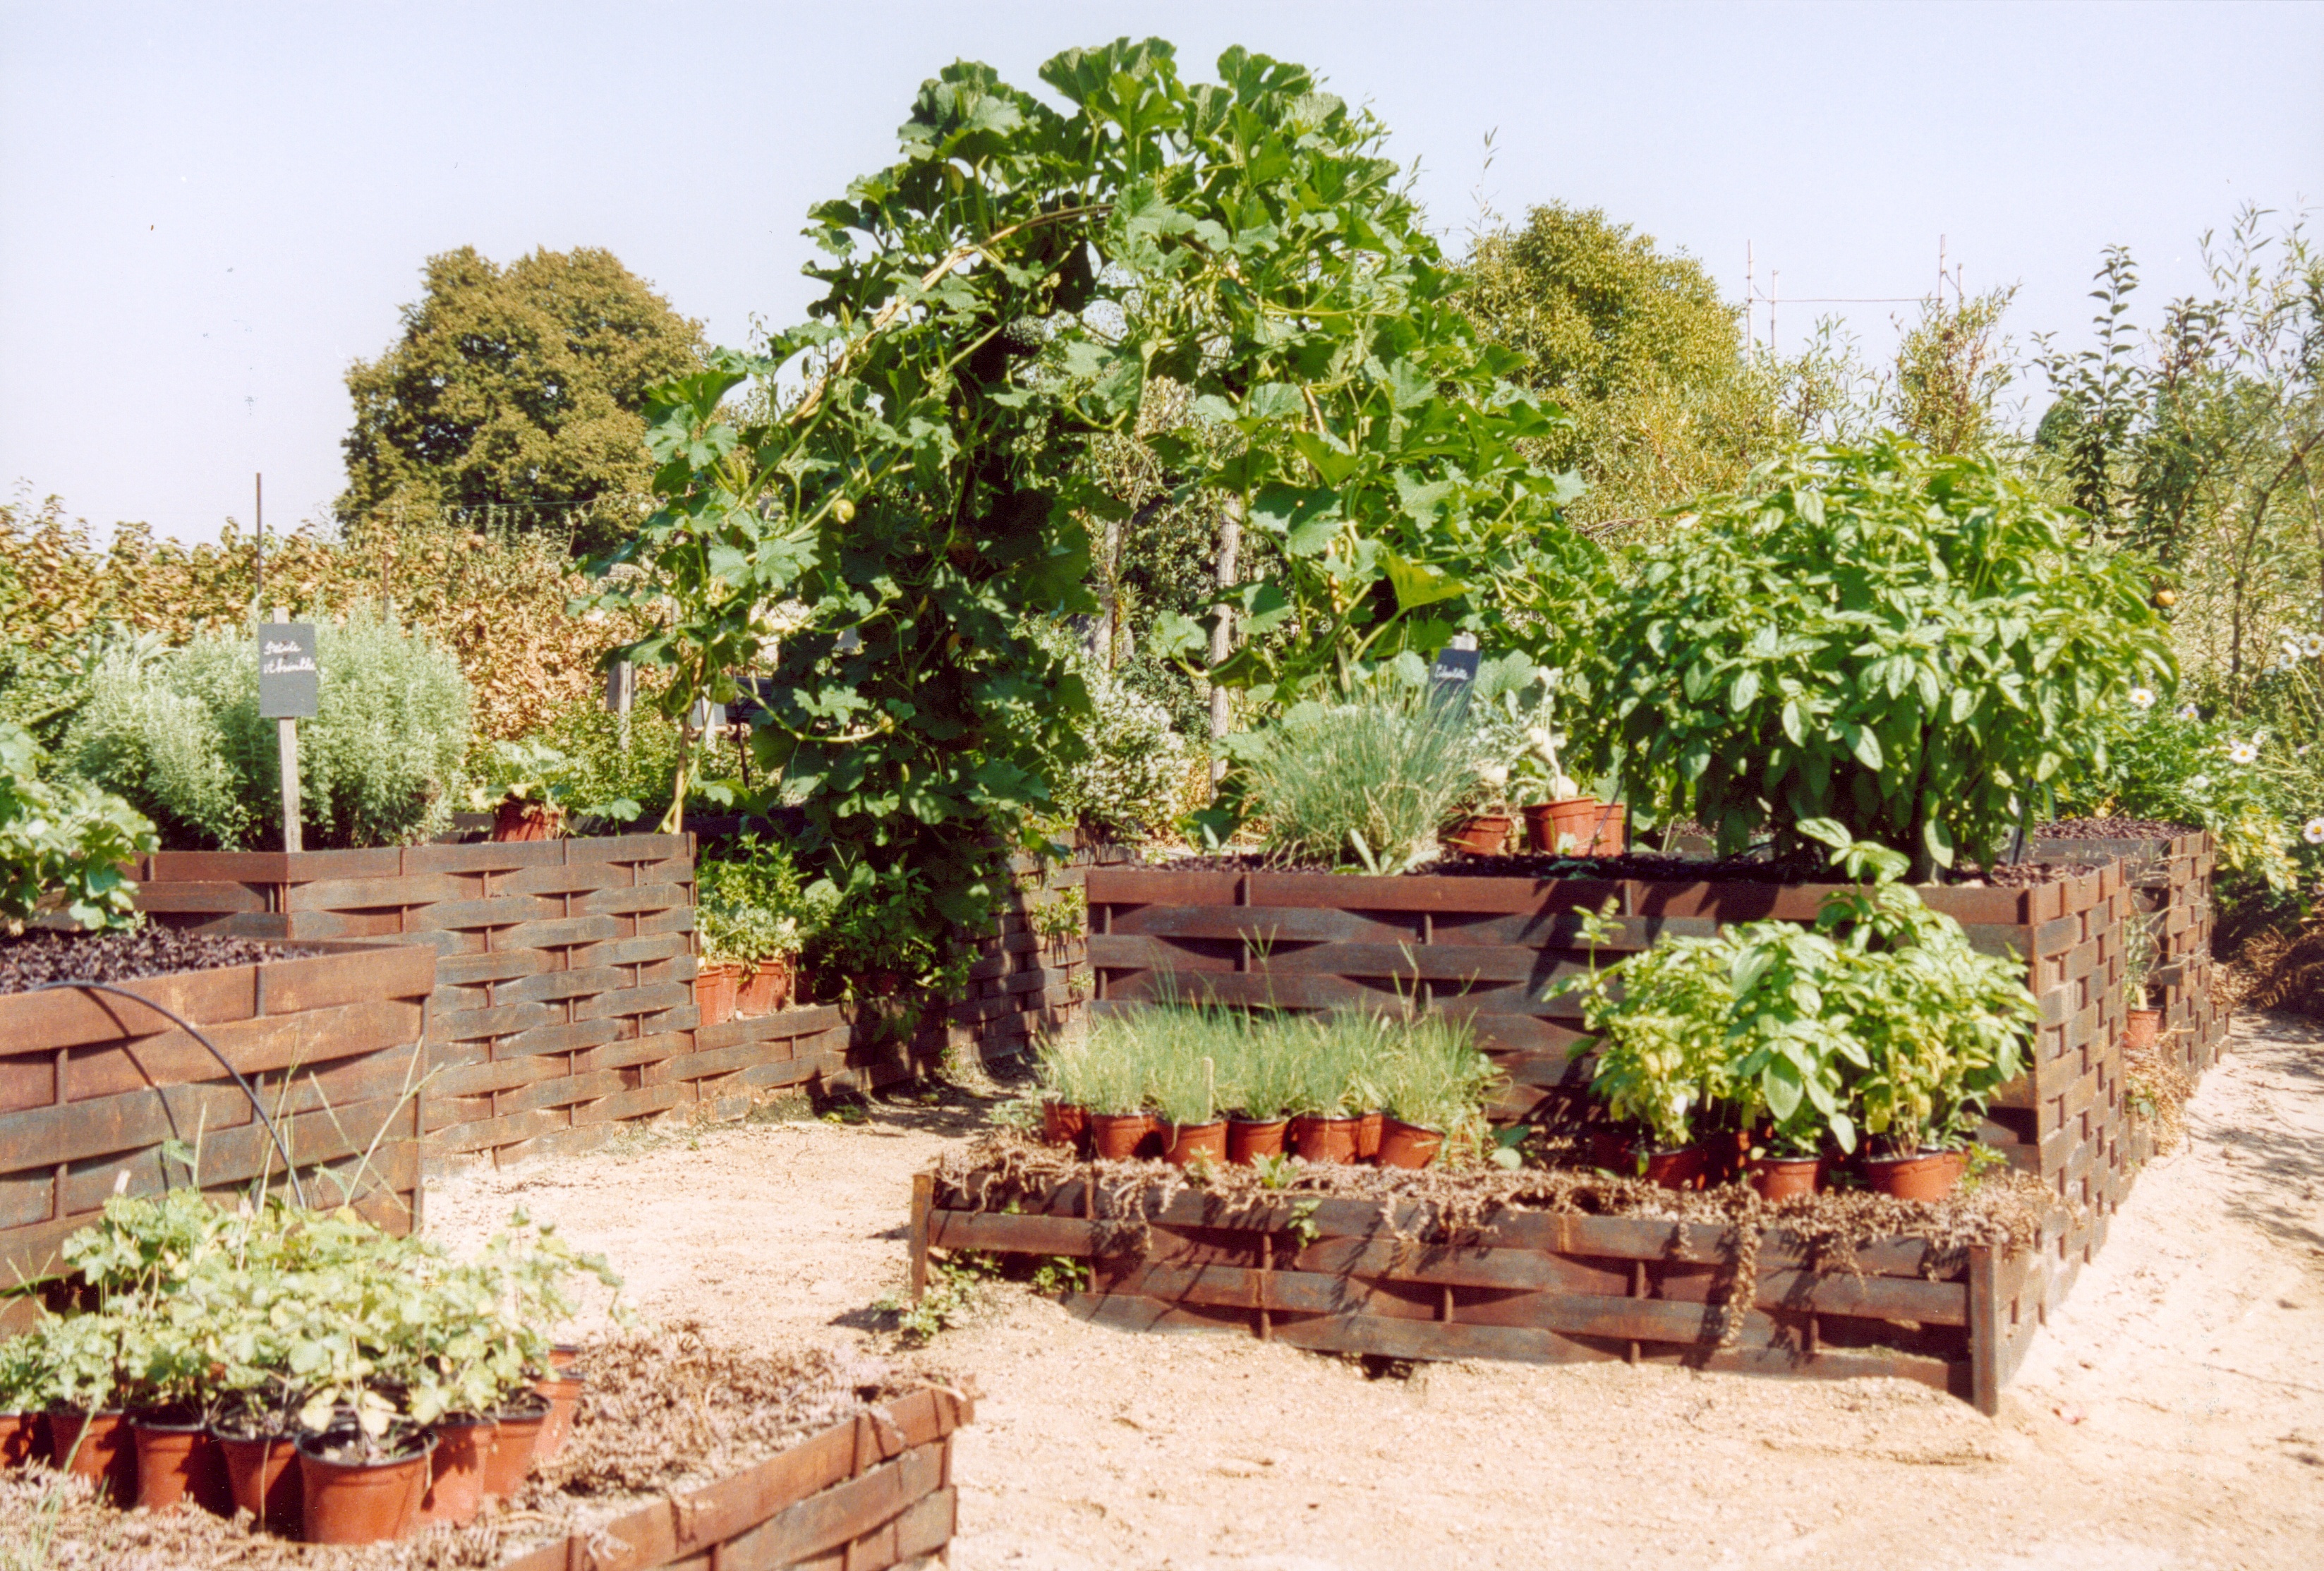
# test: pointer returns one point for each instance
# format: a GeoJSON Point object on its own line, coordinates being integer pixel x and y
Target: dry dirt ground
{"type": "Point", "coordinates": [2172, 1415]}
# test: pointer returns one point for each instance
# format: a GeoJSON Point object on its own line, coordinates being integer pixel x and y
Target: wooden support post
{"type": "Point", "coordinates": [1984, 1331]}
{"type": "Point", "coordinates": [924, 1197]}
{"type": "Point", "coordinates": [1266, 1270]}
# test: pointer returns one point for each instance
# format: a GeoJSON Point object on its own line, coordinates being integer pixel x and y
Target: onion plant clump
{"type": "Point", "coordinates": [1365, 782]}
{"type": "Point", "coordinates": [1189, 1063]}
{"type": "Point", "coordinates": [269, 1319]}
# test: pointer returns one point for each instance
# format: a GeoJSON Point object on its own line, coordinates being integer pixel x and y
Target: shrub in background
{"type": "Point", "coordinates": [178, 733]}
{"type": "Point", "coordinates": [1910, 644]}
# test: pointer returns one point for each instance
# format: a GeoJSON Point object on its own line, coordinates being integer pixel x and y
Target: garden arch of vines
{"type": "Point", "coordinates": [1228, 271]}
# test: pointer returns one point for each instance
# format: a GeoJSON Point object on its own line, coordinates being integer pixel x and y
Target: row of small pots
{"type": "Point", "coordinates": [1928, 1175]}
{"type": "Point", "coordinates": [723, 990]}
{"type": "Point", "coordinates": [1577, 826]}
{"type": "Point", "coordinates": [1240, 1142]}
{"type": "Point", "coordinates": [439, 1475]}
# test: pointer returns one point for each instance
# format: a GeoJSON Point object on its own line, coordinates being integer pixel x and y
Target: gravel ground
{"type": "Point", "coordinates": [2172, 1415]}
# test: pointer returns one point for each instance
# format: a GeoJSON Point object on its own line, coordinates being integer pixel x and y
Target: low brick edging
{"type": "Point", "coordinates": [92, 1086]}
{"type": "Point", "coordinates": [872, 1493]}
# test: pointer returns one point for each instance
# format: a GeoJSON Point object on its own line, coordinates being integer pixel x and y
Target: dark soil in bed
{"type": "Point", "coordinates": [39, 957]}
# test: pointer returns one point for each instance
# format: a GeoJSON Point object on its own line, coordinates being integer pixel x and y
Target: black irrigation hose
{"type": "Point", "coordinates": [188, 1027]}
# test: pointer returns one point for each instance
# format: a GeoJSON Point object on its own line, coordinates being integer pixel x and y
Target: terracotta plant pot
{"type": "Point", "coordinates": [1324, 1139]}
{"type": "Point", "coordinates": [766, 989]}
{"type": "Point", "coordinates": [1928, 1175]}
{"type": "Point", "coordinates": [1248, 1139]}
{"type": "Point", "coordinates": [456, 1471]}
{"type": "Point", "coordinates": [20, 1438]}
{"type": "Point", "coordinates": [564, 1355]}
{"type": "Point", "coordinates": [1682, 1169]}
{"type": "Point", "coordinates": [1185, 1143]}
{"type": "Point", "coordinates": [714, 984]}
{"type": "Point", "coordinates": [563, 1389]}
{"type": "Point", "coordinates": [1118, 1136]}
{"type": "Point", "coordinates": [263, 1480]}
{"type": "Point", "coordinates": [179, 1461]}
{"type": "Point", "coordinates": [1780, 1178]}
{"type": "Point", "coordinates": [1563, 829]}
{"type": "Point", "coordinates": [516, 1439]}
{"type": "Point", "coordinates": [1610, 835]}
{"type": "Point", "coordinates": [2139, 1032]}
{"type": "Point", "coordinates": [1404, 1144]}
{"type": "Point", "coordinates": [1063, 1123]}
{"type": "Point", "coordinates": [1480, 834]}
{"type": "Point", "coordinates": [1369, 1126]}
{"type": "Point", "coordinates": [361, 1502]}
{"type": "Point", "coordinates": [526, 821]}
{"type": "Point", "coordinates": [99, 1446]}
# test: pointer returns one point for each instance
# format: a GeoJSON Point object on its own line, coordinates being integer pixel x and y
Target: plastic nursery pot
{"type": "Point", "coordinates": [177, 1459]}
{"type": "Point", "coordinates": [563, 1389]}
{"type": "Point", "coordinates": [20, 1438]}
{"type": "Point", "coordinates": [1185, 1143]}
{"type": "Point", "coordinates": [516, 1440]}
{"type": "Point", "coordinates": [1117, 1136]}
{"type": "Point", "coordinates": [262, 1476]}
{"type": "Point", "coordinates": [1480, 834]}
{"type": "Point", "coordinates": [1781, 1178]}
{"type": "Point", "coordinates": [456, 1470]}
{"type": "Point", "coordinates": [525, 820]}
{"type": "Point", "coordinates": [349, 1501]}
{"type": "Point", "coordinates": [1609, 836]}
{"type": "Point", "coordinates": [1404, 1144]}
{"type": "Point", "coordinates": [564, 1355]}
{"type": "Point", "coordinates": [1927, 1175]}
{"type": "Point", "coordinates": [1568, 828]}
{"type": "Point", "coordinates": [97, 1445]}
{"type": "Point", "coordinates": [2139, 1032]}
{"type": "Point", "coordinates": [1324, 1139]}
{"type": "Point", "coordinates": [1369, 1126]}
{"type": "Point", "coordinates": [1063, 1123]}
{"type": "Point", "coordinates": [1248, 1139]}
{"type": "Point", "coordinates": [714, 982]}
{"type": "Point", "coordinates": [1680, 1169]}
{"type": "Point", "coordinates": [766, 989]}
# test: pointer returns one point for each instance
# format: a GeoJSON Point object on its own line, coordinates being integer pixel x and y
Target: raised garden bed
{"type": "Point", "coordinates": [1400, 1273]}
{"type": "Point", "coordinates": [92, 1084]}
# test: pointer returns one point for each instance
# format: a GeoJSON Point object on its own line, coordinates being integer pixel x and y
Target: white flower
{"type": "Point", "coordinates": [2313, 832]}
{"type": "Point", "coordinates": [2312, 645]}
{"type": "Point", "coordinates": [2189, 711]}
{"type": "Point", "coordinates": [2292, 648]}
{"type": "Point", "coordinates": [1495, 774]}
{"type": "Point", "coordinates": [2199, 782]}
{"type": "Point", "coordinates": [2244, 752]}
{"type": "Point", "coordinates": [2142, 697]}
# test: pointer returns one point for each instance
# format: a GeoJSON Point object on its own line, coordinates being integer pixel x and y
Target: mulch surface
{"type": "Point", "coordinates": [40, 957]}
{"type": "Point", "coordinates": [1814, 868]}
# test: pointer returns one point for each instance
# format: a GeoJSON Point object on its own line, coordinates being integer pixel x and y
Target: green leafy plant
{"type": "Point", "coordinates": [178, 735]}
{"type": "Point", "coordinates": [1365, 782]}
{"type": "Point", "coordinates": [1911, 644]}
{"type": "Point", "coordinates": [63, 842]}
{"type": "Point", "coordinates": [750, 906]}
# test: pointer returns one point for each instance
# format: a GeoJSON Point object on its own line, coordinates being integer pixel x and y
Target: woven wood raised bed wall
{"type": "Point", "coordinates": [1489, 947]}
{"type": "Point", "coordinates": [92, 1084]}
{"type": "Point", "coordinates": [1531, 1287]}
{"type": "Point", "coordinates": [864, 1495]}
{"type": "Point", "coordinates": [2170, 884]}
{"type": "Point", "coordinates": [1024, 981]}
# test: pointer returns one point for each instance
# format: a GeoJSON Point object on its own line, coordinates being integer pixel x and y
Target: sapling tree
{"type": "Point", "coordinates": [1230, 273]}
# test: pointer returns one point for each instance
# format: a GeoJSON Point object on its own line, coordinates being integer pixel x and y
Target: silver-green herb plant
{"type": "Point", "coordinates": [1363, 782]}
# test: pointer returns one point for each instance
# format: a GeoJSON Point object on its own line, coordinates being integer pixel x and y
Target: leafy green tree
{"type": "Point", "coordinates": [517, 391]}
{"type": "Point", "coordinates": [1015, 287]}
{"type": "Point", "coordinates": [1636, 345]}
{"type": "Point", "coordinates": [1952, 366]}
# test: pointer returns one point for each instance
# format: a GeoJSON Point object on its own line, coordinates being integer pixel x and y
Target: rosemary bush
{"type": "Point", "coordinates": [1365, 782]}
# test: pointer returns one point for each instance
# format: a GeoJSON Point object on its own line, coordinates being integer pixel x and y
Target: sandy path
{"type": "Point", "coordinates": [2172, 1415]}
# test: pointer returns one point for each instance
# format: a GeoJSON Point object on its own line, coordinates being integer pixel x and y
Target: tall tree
{"type": "Point", "coordinates": [519, 390]}
{"type": "Point", "coordinates": [1636, 345]}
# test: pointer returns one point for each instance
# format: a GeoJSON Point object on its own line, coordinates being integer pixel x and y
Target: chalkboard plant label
{"type": "Point", "coordinates": [290, 682]}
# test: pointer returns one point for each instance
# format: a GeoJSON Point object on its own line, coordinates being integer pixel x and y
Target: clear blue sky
{"type": "Point", "coordinates": [209, 210]}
